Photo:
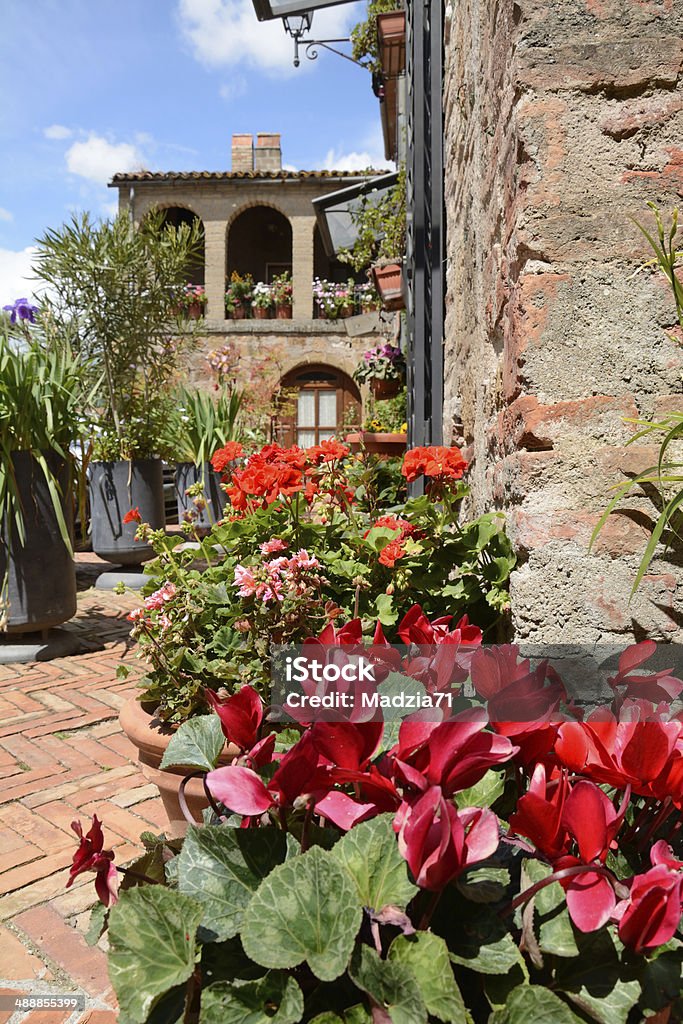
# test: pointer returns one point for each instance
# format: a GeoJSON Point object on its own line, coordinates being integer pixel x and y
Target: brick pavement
{"type": "Point", "coordinates": [63, 756]}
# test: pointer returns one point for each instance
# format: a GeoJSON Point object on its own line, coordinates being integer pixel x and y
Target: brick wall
{"type": "Point", "coordinates": [562, 120]}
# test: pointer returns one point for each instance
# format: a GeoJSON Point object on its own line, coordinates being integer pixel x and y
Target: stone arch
{"type": "Point", "coordinates": [180, 213]}
{"type": "Point", "coordinates": [259, 242]}
{"type": "Point", "coordinates": [322, 401]}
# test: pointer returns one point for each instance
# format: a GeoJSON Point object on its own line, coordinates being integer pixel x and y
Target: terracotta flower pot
{"type": "Point", "coordinates": [283, 312]}
{"type": "Point", "coordinates": [387, 280]}
{"type": "Point", "coordinates": [151, 736]}
{"type": "Point", "coordinates": [382, 389]}
{"type": "Point", "coordinates": [239, 313]}
{"type": "Point", "coordinates": [378, 444]}
{"type": "Point", "coordinates": [261, 313]}
{"type": "Point", "coordinates": [195, 311]}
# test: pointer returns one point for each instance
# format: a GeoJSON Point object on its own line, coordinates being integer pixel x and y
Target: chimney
{"type": "Point", "coordinates": [268, 154]}
{"type": "Point", "coordinates": [242, 153]}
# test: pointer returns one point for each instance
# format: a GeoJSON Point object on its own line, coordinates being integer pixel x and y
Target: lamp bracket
{"type": "Point", "coordinates": [311, 52]}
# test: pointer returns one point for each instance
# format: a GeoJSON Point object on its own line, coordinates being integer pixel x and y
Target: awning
{"type": "Point", "coordinates": [266, 10]}
{"type": "Point", "coordinates": [335, 211]}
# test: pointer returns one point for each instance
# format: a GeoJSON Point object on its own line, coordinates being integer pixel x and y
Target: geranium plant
{"type": "Point", "coordinates": [239, 292]}
{"type": "Point", "coordinates": [262, 296]}
{"type": "Point", "coordinates": [282, 289]}
{"type": "Point", "coordinates": [456, 867]}
{"type": "Point", "coordinates": [308, 541]}
{"type": "Point", "coordinates": [192, 295]}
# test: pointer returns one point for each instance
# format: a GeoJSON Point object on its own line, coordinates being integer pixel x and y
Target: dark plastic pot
{"type": "Point", "coordinates": [187, 474]}
{"type": "Point", "coordinates": [115, 489]}
{"type": "Point", "coordinates": [41, 577]}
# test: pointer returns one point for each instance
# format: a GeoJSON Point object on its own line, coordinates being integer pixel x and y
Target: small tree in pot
{"type": "Point", "coordinates": [112, 286]}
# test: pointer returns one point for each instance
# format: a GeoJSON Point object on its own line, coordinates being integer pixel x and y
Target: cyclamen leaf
{"type": "Point", "coordinates": [151, 947]}
{"type": "Point", "coordinates": [307, 909]}
{"type": "Point", "coordinates": [391, 986]}
{"type": "Point", "coordinates": [370, 854]}
{"type": "Point", "coordinates": [223, 867]}
{"type": "Point", "coordinates": [197, 744]}
{"type": "Point", "coordinates": [253, 1002]}
{"type": "Point", "coordinates": [534, 1003]}
{"type": "Point", "coordinates": [426, 955]}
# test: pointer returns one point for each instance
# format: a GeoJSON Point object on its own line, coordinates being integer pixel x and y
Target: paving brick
{"type": "Point", "coordinates": [42, 867]}
{"type": "Point", "coordinates": [22, 785]}
{"type": "Point", "coordinates": [16, 963]}
{"type": "Point", "coordinates": [117, 819]}
{"type": "Point", "coordinates": [136, 796]}
{"type": "Point", "coordinates": [19, 855]}
{"type": "Point", "coordinates": [6, 1014]}
{"type": "Point", "coordinates": [67, 789]}
{"type": "Point", "coordinates": [98, 1017]}
{"type": "Point", "coordinates": [46, 1017]}
{"type": "Point", "coordinates": [97, 752]}
{"type": "Point", "coordinates": [62, 944]}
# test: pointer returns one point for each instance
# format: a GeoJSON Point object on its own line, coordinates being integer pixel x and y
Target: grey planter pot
{"type": "Point", "coordinates": [187, 474]}
{"type": "Point", "coordinates": [116, 488]}
{"type": "Point", "coordinates": [41, 577]}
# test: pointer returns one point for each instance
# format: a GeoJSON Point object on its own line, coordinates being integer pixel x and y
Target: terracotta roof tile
{"type": "Point", "coordinates": [143, 176]}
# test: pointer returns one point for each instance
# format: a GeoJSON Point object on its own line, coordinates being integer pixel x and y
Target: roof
{"type": "Point", "coordinates": [150, 176]}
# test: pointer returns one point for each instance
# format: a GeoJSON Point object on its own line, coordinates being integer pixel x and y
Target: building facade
{"type": "Point", "coordinates": [258, 219]}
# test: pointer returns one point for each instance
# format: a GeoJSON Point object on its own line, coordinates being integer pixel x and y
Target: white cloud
{"type": "Point", "coordinates": [57, 131]}
{"type": "Point", "coordinates": [15, 274]}
{"type": "Point", "coordinates": [5, 214]}
{"type": "Point", "coordinates": [97, 159]}
{"type": "Point", "coordinates": [110, 209]}
{"type": "Point", "coordinates": [234, 89]}
{"type": "Point", "coordinates": [227, 32]}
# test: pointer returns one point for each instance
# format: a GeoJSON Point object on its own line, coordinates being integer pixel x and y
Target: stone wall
{"type": "Point", "coordinates": [562, 120]}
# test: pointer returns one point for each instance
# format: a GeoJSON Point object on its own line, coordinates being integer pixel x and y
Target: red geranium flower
{"type": "Point", "coordinates": [222, 458]}
{"type": "Point", "coordinates": [133, 516]}
{"type": "Point", "coordinates": [436, 461]}
{"type": "Point", "coordinates": [328, 451]}
{"type": "Point", "coordinates": [390, 554]}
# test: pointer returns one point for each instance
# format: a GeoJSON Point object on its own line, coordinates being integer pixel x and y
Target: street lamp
{"type": "Point", "coordinates": [297, 16]}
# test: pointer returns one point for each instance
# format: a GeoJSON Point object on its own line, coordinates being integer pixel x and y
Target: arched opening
{"type": "Point", "coordinates": [259, 243]}
{"type": "Point", "coordinates": [321, 402]}
{"type": "Point", "coordinates": [177, 215]}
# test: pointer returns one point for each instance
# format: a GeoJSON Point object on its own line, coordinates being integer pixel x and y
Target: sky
{"type": "Point", "coordinates": [89, 88]}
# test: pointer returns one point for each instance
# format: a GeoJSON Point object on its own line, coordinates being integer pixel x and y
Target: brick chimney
{"type": "Point", "coordinates": [242, 153]}
{"type": "Point", "coordinates": [268, 153]}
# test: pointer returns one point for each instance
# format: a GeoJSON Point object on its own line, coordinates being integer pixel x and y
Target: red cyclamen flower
{"type": "Point", "coordinates": [90, 856]}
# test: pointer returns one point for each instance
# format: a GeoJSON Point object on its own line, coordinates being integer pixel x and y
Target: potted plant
{"type": "Point", "coordinates": [282, 295]}
{"type": "Point", "coordinates": [203, 423]}
{"type": "Point", "coordinates": [441, 868]}
{"type": "Point", "coordinates": [384, 369]}
{"type": "Point", "coordinates": [41, 402]}
{"type": "Point", "coordinates": [111, 287]}
{"type": "Point", "coordinates": [380, 242]}
{"type": "Point", "coordinates": [192, 301]}
{"type": "Point", "coordinates": [364, 36]}
{"type": "Point", "coordinates": [384, 429]}
{"type": "Point", "coordinates": [262, 301]}
{"type": "Point", "coordinates": [238, 296]}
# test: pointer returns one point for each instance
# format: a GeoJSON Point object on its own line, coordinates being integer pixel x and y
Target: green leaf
{"type": "Point", "coordinates": [196, 744]}
{"type": "Point", "coordinates": [394, 989]}
{"type": "Point", "coordinates": [274, 999]}
{"type": "Point", "coordinates": [529, 1003]}
{"type": "Point", "coordinates": [484, 793]}
{"type": "Point", "coordinates": [386, 612]}
{"type": "Point", "coordinates": [328, 1017]}
{"type": "Point", "coordinates": [306, 909]}
{"type": "Point", "coordinates": [556, 933]}
{"type": "Point", "coordinates": [151, 947]}
{"type": "Point", "coordinates": [223, 867]}
{"type": "Point", "coordinates": [426, 955]}
{"type": "Point", "coordinates": [96, 924]}
{"type": "Point", "coordinates": [596, 980]}
{"type": "Point", "coordinates": [485, 946]}
{"type": "Point", "coordinates": [150, 864]}
{"type": "Point", "coordinates": [484, 885]}
{"type": "Point", "coordinates": [370, 854]}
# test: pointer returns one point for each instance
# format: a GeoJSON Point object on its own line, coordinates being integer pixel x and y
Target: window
{"type": "Point", "coordinates": [322, 403]}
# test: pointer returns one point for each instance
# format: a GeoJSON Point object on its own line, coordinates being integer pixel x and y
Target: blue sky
{"type": "Point", "coordinates": [88, 88]}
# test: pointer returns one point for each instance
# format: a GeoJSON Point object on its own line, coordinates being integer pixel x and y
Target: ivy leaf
{"type": "Point", "coordinates": [370, 854]}
{"type": "Point", "coordinates": [426, 955]}
{"type": "Point", "coordinates": [253, 1002]}
{"type": "Point", "coordinates": [151, 947]}
{"type": "Point", "coordinates": [196, 744]}
{"type": "Point", "coordinates": [223, 867]}
{"type": "Point", "coordinates": [307, 909]}
{"type": "Point", "coordinates": [390, 985]}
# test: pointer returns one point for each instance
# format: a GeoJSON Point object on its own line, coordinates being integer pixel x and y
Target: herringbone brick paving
{"type": "Point", "coordinates": [63, 757]}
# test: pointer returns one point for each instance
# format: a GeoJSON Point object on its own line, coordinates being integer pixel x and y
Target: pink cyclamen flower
{"type": "Point", "coordinates": [652, 912]}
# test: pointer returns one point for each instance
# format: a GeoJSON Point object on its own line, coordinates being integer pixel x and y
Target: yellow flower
{"type": "Point", "coordinates": [404, 428]}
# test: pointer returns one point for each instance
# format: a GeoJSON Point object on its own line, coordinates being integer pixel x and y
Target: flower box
{"type": "Point", "coordinates": [377, 444]}
{"type": "Point", "coordinates": [387, 278]}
